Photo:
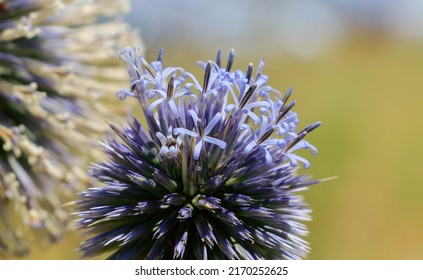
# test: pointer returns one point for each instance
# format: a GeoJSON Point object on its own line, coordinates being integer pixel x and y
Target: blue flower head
{"type": "Point", "coordinates": [211, 173]}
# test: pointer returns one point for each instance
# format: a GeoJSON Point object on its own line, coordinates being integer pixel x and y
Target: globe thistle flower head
{"type": "Point", "coordinates": [211, 173]}
{"type": "Point", "coordinates": [55, 65]}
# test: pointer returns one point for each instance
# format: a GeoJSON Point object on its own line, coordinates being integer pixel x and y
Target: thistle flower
{"type": "Point", "coordinates": [211, 174]}
{"type": "Point", "coordinates": [55, 64]}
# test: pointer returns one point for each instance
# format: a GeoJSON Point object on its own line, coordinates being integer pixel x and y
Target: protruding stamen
{"type": "Point", "coordinates": [113, 127]}
{"type": "Point", "coordinates": [160, 57]}
{"type": "Point", "coordinates": [170, 88]}
{"type": "Point", "coordinates": [284, 110]}
{"type": "Point", "coordinates": [219, 58]}
{"type": "Point", "coordinates": [295, 140]}
{"type": "Point", "coordinates": [249, 72]}
{"type": "Point", "coordinates": [247, 96]}
{"type": "Point", "coordinates": [287, 95]}
{"type": "Point", "coordinates": [207, 76]}
{"type": "Point", "coordinates": [311, 127]}
{"type": "Point", "coordinates": [260, 69]}
{"type": "Point", "coordinates": [266, 135]}
{"type": "Point", "coordinates": [149, 68]}
{"type": "Point", "coordinates": [230, 60]}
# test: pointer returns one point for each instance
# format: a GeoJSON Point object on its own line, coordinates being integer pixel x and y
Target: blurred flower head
{"type": "Point", "coordinates": [211, 173]}
{"type": "Point", "coordinates": [55, 64]}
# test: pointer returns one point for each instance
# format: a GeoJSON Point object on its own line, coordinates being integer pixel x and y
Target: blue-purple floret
{"type": "Point", "coordinates": [210, 174]}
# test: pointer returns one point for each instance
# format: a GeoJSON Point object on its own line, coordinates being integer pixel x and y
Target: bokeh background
{"type": "Point", "coordinates": [355, 65]}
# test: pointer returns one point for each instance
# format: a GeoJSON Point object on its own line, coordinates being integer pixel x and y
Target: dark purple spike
{"type": "Point", "coordinates": [212, 185]}
{"type": "Point", "coordinates": [181, 239]}
{"type": "Point", "coordinates": [166, 225]}
{"type": "Point", "coordinates": [164, 181]}
{"type": "Point", "coordinates": [225, 245]}
{"type": "Point", "coordinates": [207, 76]}
{"type": "Point", "coordinates": [295, 141]}
{"type": "Point", "coordinates": [185, 212]}
{"type": "Point", "coordinates": [266, 135]}
{"type": "Point", "coordinates": [219, 58]}
{"type": "Point", "coordinates": [242, 233]}
{"type": "Point", "coordinates": [287, 95]}
{"type": "Point", "coordinates": [198, 247]}
{"type": "Point", "coordinates": [137, 232]}
{"type": "Point", "coordinates": [230, 60]}
{"type": "Point", "coordinates": [204, 202]}
{"type": "Point", "coordinates": [145, 185]}
{"type": "Point", "coordinates": [256, 212]}
{"type": "Point", "coordinates": [245, 253]}
{"type": "Point", "coordinates": [157, 250]}
{"type": "Point", "coordinates": [114, 128]}
{"type": "Point", "coordinates": [205, 231]}
{"type": "Point", "coordinates": [284, 110]}
{"type": "Point", "coordinates": [227, 216]}
{"type": "Point", "coordinates": [170, 88]}
{"type": "Point", "coordinates": [174, 199]}
{"type": "Point", "coordinates": [151, 207]}
{"type": "Point", "coordinates": [238, 200]}
{"type": "Point", "coordinates": [160, 56]}
{"type": "Point", "coordinates": [249, 72]}
{"type": "Point", "coordinates": [247, 96]}
{"type": "Point", "coordinates": [311, 127]}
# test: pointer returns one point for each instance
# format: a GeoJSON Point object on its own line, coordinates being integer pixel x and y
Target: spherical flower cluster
{"type": "Point", "coordinates": [209, 174]}
{"type": "Point", "coordinates": [56, 61]}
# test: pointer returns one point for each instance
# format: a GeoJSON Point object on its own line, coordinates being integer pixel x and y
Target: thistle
{"type": "Point", "coordinates": [55, 64]}
{"type": "Point", "coordinates": [209, 174]}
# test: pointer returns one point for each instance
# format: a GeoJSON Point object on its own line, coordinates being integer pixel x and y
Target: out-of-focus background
{"type": "Point", "coordinates": [355, 65]}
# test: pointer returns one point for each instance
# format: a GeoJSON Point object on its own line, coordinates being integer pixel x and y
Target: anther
{"type": "Point", "coordinates": [295, 141]}
{"type": "Point", "coordinates": [287, 95]}
{"type": "Point", "coordinates": [266, 135]}
{"type": "Point", "coordinates": [247, 95]}
{"type": "Point", "coordinates": [284, 110]}
{"type": "Point", "coordinates": [249, 72]}
{"type": "Point", "coordinates": [311, 127]}
{"type": "Point", "coordinates": [219, 58]}
{"type": "Point", "coordinates": [170, 88]}
{"type": "Point", "coordinates": [149, 68]}
{"type": "Point", "coordinates": [230, 60]}
{"type": "Point", "coordinates": [207, 76]}
{"type": "Point", "coordinates": [160, 57]}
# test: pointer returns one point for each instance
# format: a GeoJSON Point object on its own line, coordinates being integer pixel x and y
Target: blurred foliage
{"type": "Point", "coordinates": [368, 94]}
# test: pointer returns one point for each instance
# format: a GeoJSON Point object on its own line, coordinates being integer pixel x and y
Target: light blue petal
{"type": "Point", "coordinates": [153, 105]}
{"type": "Point", "coordinates": [212, 123]}
{"type": "Point", "coordinates": [215, 141]}
{"type": "Point", "coordinates": [173, 108]}
{"type": "Point", "coordinates": [197, 149]}
{"type": "Point", "coordinates": [184, 131]}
